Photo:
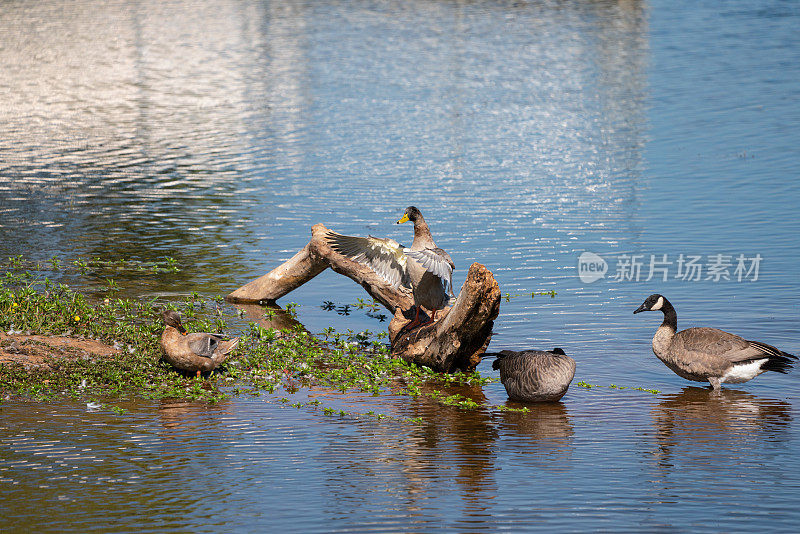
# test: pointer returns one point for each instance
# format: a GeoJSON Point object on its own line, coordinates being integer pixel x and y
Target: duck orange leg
{"type": "Point", "coordinates": [414, 322]}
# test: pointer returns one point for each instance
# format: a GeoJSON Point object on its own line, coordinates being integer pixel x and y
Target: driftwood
{"type": "Point", "coordinates": [454, 342]}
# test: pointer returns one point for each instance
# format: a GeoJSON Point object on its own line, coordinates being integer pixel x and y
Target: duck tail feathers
{"type": "Point", "coordinates": [226, 347]}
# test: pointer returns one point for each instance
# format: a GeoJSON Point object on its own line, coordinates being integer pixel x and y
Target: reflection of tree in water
{"type": "Point", "coordinates": [120, 160]}
{"type": "Point", "coordinates": [468, 436]}
{"type": "Point", "coordinates": [412, 464]}
{"type": "Point", "coordinates": [100, 217]}
{"type": "Point", "coordinates": [703, 425]}
{"type": "Point", "coordinates": [189, 144]}
{"type": "Point", "coordinates": [270, 316]}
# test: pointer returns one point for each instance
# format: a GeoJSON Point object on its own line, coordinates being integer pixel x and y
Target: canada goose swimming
{"type": "Point", "coordinates": [192, 352]}
{"type": "Point", "coordinates": [423, 266]}
{"type": "Point", "coordinates": [534, 375]}
{"type": "Point", "coordinates": [709, 354]}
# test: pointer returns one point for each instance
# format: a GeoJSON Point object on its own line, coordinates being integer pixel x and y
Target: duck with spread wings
{"type": "Point", "coordinates": [423, 266]}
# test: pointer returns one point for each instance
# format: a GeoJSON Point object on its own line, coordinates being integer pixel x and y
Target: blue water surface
{"type": "Point", "coordinates": [218, 132]}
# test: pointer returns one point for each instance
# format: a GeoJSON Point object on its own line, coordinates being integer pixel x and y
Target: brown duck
{"type": "Point", "coordinates": [198, 352]}
{"type": "Point", "coordinates": [423, 266]}
{"type": "Point", "coordinates": [709, 354]}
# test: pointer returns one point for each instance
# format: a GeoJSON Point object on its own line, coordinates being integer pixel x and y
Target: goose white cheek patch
{"type": "Point", "coordinates": [658, 304]}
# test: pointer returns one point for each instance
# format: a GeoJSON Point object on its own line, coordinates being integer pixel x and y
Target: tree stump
{"type": "Point", "coordinates": [454, 342]}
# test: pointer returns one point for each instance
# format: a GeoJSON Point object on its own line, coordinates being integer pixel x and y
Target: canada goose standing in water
{"type": "Point", "coordinates": [708, 354]}
{"type": "Point", "coordinates": [423, 266]}
{"type": "Point", "coordinates": [535, 375]}
{"type": "Point", "coordinates": [198, 352]}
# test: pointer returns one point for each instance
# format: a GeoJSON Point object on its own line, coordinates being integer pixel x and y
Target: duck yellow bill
{"type": "Point", "coordinates": [403, 219]}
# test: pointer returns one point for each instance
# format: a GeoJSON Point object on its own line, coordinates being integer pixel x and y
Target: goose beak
{"type": "Point", "coordinates": [641, 309]}
{"type": "Point", "coordinates": [403, 219]}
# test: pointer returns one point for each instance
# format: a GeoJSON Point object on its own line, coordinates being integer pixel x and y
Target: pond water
{"type": "Point", "coordinates": [659, 136]}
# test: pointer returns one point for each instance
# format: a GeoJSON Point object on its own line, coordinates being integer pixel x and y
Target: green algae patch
{"type": "Point", "coordinates": [586, 385]}
{"type": "Point", "coordinates": [59, 343]}
{"type": "Point", "coordinates": [112, 346]}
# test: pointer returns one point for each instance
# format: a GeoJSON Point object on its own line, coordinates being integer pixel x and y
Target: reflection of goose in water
{"type": "Point", "coordinates": [703, 422]}
{"type": "Point", "coordinates": [545, 422]}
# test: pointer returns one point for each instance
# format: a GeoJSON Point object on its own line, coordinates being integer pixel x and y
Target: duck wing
{"type": "Point", "coordinates": [436, 261]}
{"type": "Point", "coordinates": [382, 255]}
{"type": "Point", "coordinates": [203, 344]}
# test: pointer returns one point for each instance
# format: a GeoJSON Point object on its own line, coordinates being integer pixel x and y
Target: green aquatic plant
{"type": "Point", "coordinates": [267, 362]}
{"type": "Point", "coordinates": [614, 386]}
{"type": "Point", "coordinates": [508, 296]}
{"type": "Point", "coordinates": [372, 306]}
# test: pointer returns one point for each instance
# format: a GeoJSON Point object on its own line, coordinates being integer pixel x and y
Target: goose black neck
{"type": "Point", "coordinates": [670, 316]}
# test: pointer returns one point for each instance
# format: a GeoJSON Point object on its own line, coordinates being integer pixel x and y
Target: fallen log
{"type": "Point", "coordinates": [454, 342]}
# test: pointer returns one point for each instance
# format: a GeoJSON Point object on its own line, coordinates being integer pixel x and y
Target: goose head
{"type": "Point", "coordinates": [653, 303]}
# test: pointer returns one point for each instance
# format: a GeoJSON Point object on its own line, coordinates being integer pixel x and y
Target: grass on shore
{"type": "Point", "coordinates": [266, 360]}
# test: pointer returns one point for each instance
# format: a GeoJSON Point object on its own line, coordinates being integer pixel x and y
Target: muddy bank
{"type": "Point", "coordinates": [42, 351]}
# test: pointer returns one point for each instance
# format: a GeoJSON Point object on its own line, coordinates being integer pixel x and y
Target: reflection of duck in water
{"type": "Point", "coordinates": [534, 375]}
{"type": "Point", "coordinates": [710, 354]}
{"type": "Point", "coordinates": [698, 417]}
{"type": "Point", "coordinates": [179, 412]}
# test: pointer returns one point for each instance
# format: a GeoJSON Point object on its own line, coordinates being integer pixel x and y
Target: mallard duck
{"type": "Point", "coordinates": [423, 266]}
{"type": "Point", "coordinates": [534, 375]}
{"type": "Point", "coordinates": [198, 352]}
{"type": "Point", "coordinates": [709, 354]}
